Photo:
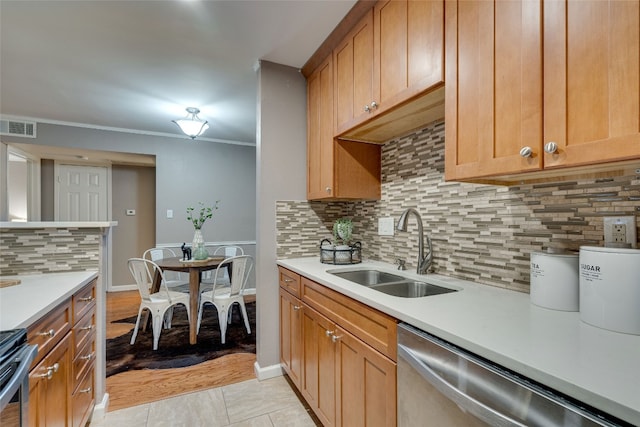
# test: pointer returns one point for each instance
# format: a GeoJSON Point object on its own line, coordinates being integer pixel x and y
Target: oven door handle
{"type": "Point", "coordinates": [26, 356]}
{"type": "Point", "coordinates": [470, 404]}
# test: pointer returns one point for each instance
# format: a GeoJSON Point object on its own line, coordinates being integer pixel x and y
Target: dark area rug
{"type": "Point", "coordinates": [174, 350]}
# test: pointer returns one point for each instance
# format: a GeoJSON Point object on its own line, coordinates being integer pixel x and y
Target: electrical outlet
{"type": "Point", "coordinates": [620, 231]}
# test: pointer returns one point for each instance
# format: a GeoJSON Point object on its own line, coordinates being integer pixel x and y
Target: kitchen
{"type": "Point", "coordinates": [480, 232]}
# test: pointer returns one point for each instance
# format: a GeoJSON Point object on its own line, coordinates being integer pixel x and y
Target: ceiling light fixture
{"type": "Point", "coordinates": [192, 126]}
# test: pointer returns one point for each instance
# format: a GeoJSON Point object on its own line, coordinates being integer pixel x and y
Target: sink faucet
{"type": "Point", "coordinates": [424, 262]}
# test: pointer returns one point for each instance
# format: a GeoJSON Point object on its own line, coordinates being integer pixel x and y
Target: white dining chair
{"type": "Point", "coordinates": [160, 304]}
{"type": "Point", "coordinates": [173, 278]}
{"type": "Point", "coordinates": [227, 251]}
{"type": "Point", "coordinates": [224, 297]}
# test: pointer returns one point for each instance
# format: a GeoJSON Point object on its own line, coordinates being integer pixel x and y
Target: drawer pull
{"type": "Point", "coordinates": [85, 390]}
{"type": "Point", "coordinates": [296, 307]}
{"type": "Point", "coordinates": [335, 338]}
{"type": "Point", "coordinates": [87, 357]}
{"type": "Point", "coordinates": [86, 299]}
{"type": "Point", "coordinates": [87, 328]}
{"type": "Point", "coordinates": [328, 333]}
{"type": "Point", "coordinates": [50, 371]}
{"type": "Point", "coordinates": [287, 280]}
{"type": "Point", "coordinates": [50, 333]}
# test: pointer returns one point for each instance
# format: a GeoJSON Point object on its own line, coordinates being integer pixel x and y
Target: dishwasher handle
{"type": "Point", "coordinates": [468, 403]}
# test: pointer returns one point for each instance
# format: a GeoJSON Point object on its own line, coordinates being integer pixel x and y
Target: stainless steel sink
{"type": "Point", "coordinates": [392, 284]}
{"type": "Point", "coordinates": [368, 277]}
{"type": "Point", "coordinates": [411, 289]}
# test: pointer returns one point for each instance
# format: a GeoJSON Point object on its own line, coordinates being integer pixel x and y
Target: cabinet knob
{"type": "Point", "coordinates": [296, 307]}
{"type": "Point", "coordinates": [328, 190]}
{"type": "Point", "coordinates": [50, 333]}
{"type": "Point", "coordinates": [374, 105]}
{"type": "Point", "coordinates": [526, 152]}
{"type": "Point", "coordinates": [367, 109]}
{"type": "Point", "coordinates": [335, 338]}
{"type": "Point", "coordinates": [550, 147]}
{"type": "Point", "coordinates": [328, 333]}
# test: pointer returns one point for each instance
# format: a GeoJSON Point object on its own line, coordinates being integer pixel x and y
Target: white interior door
{"type": "Point", "coordinates": [81, 193]}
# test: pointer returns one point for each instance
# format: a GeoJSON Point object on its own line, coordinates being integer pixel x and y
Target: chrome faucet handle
{"type": "Point", "coordinates": [400, 263]}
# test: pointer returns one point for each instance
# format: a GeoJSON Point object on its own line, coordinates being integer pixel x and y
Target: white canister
{"type": "Point", "coordinates": [610, 288]}
{"type": "Point", "coordinates": [554, 280]}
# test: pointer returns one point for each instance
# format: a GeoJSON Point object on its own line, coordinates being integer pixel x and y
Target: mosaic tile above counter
{"type": "Point", "coordinates": [483, 233]}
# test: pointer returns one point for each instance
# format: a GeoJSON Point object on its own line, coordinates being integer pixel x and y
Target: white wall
{"type": "Point", "coordinates": [281, 175]}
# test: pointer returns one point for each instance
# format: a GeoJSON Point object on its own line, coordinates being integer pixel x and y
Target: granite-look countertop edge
{"type": "Point", "coordinates": [555, 348]}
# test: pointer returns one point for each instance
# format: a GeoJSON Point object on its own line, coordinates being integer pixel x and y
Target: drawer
{"type": "Point", "coordinates": [289, 281]}
{"type": "Point", "coordinates": [375, 328]}
{"type": "Point", "coordinates": [83, 400]}
{"type": "Point", "coordinates": [49, 330]}
{"type": "Point", "coordinates": [84, 300]}
{"type": "Point", "coordinates": [84, 330]}
{"type": "Point", "coordinates": [84, 361]}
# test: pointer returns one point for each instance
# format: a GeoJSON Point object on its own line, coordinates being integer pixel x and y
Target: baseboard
{"type": "Point", "coordinates": [100, 409]}
{"type": "Point", "coordinates": [267, 372]}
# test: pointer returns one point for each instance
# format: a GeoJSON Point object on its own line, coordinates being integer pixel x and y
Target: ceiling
{"type": "Point", "coordinates": [137, 65]}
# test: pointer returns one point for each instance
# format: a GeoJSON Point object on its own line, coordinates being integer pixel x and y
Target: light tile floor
{"type": "Point", "coordinates": [253, 403]}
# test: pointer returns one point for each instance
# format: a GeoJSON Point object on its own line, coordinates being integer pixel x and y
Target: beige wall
{"type": "Point", "coordinates": [133, 188]}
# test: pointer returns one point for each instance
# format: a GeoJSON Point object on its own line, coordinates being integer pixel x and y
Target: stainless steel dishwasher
{"type": "Point", "coordinates": [442, 385]}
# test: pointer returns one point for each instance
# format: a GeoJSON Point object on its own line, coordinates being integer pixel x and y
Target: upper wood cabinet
{"type": "Point", "coordinates": [535, 86]}
{"type": "Point", "coordinates": [591, 81]}
{"type": "Point", "coordinates": [336, 169]}
{"type": "Point", "coordinates": [393, 55]}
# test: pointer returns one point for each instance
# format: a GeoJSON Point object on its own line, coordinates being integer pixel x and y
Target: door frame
{"type": "Point", "coordinates": [33, 182]}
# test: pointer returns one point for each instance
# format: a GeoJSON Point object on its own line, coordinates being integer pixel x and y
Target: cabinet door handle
{"type": "Point", "coordinates": [296, 307]}
{"type": "Point", "coordinates": [367, 109]}
{"type": "Point", "coordinates": [328, 333]}
{"type": "Point", "coordinates": [50, 333]}
{"type": "Point", "coordinates": [85, 390]}
{"type": "Point", "coordinates": [287, 280]}
{"type": "Point", "coordinates": [328, 190]}
{"type": "Point", "coordinates": [550, 147]}
{"type": "Point", "coordinates": [87, 357]}
{"type": "Point", "coordinates": [335, 338]}
{"type": "Point", "coordinates": [87, 328]}
{"type": "Point", "coordinates": [50, 371]}
{"type": "Point", "coordinates": [374, 105]}
{"type": "Point", "coordinates": [86, 299]}
{"type": "Point", "coordinates": [526, 152]}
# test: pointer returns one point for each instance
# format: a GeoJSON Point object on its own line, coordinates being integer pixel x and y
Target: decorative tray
{"type": "Point", "coordinates": [330, 254]}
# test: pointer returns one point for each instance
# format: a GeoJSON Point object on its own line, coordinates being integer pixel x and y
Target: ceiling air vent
{"type": "Point", "coordinates": [18, 128]}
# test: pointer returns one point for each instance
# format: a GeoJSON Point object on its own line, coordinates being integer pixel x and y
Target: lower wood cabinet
{"type": "Point", "coordinates": [337, 357]}
{"type": "Point", "coordinates": [61, 381]}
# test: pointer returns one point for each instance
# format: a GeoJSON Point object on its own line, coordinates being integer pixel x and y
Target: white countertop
{"type": "Point", "coordinates": [36, 295]}
{"type": "Point", "coordinates": [598, 367]}
{"type": "Point", "coordinates": [58, 224]}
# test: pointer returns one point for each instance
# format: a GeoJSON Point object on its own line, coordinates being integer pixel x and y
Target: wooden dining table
{"type": "Point", "coordinates": [195, 269]}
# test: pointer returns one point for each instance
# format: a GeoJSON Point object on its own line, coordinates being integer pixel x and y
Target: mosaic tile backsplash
{"type": "Point", "coordinates": [49, 250]}
{"type": "Point", "coordinates": [482, 233]}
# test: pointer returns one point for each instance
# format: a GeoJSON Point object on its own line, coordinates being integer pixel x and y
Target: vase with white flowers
{"type": "Point", "coordinates": [198, 249]}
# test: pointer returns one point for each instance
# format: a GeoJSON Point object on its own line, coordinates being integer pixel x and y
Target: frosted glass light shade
{"type": "Point", "coordinates": [192, 126]}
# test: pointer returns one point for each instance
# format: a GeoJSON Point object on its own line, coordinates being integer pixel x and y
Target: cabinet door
{"type": "Point", "coordinates": [50, 388]}
{"type": "Point", "coordinates": [320, 132]}
{"type": "Point", "coordinates": [291, 335]}
{"type": "Point", "coordinates": [493, 93]}
{"type": "Point", "coordinates": [591, 81]}
{"type": "Point", "coordinates": [408, 56]}
{"type": "Point", "coordinates": [319, 365]}
{"type": "Point", "coordinates": [366, 384]}
{"type": "Point", "coordinates": [353, 65]}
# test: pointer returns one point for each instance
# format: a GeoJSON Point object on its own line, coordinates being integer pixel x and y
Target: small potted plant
{"type": "Point", "coordinates": [342, 233]}
{"type": "Point", "coordinates": [197, 247]}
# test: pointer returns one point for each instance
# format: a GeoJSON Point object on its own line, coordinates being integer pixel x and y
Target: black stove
{"type": "Point", "coordinates": [16, 356]}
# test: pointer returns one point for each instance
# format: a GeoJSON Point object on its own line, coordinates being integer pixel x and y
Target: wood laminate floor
{"type": "Point", "coordinates": [139, 387]}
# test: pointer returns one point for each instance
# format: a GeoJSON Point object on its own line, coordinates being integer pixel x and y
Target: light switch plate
{"type": "Point", "coordinates": [620, 231]}
{"type": "Point", "coordinates": [169, 213]}
{"type": "Point", "coordinates": [385, 226]}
